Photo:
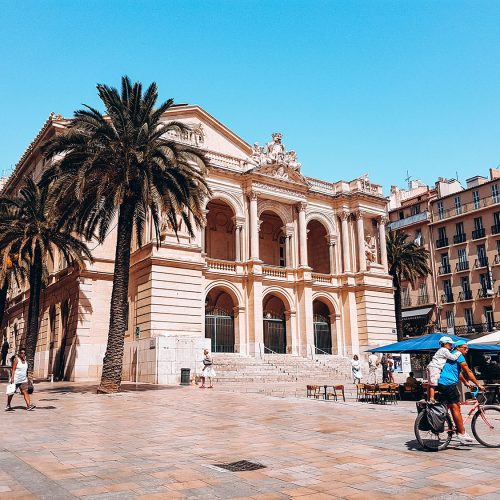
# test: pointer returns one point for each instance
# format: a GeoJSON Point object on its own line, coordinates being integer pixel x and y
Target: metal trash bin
{"type": "Point", "coordinates": [185, 376]}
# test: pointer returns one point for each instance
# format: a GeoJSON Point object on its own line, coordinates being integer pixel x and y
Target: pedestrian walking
{"type": "Point", "coordinates": [373, 363]}
{"type": "Point", "coordinates": [356, 369]}
{"type": "Point", "coordinates": [390, 368]}
{"type": "Point", "coordinates": [207, 371]}
{"type": "Point", "coordinates": [5, 351]}
{"type": "Point", "coordinates": [19, 377]}
{"type": "Point", "coordinates": [385, 371]}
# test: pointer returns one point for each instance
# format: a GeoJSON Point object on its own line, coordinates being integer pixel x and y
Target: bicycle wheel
{"type": "Point", "coordinates": [429, 440]}
{"type": "Point", "coordinates": [486, 426]}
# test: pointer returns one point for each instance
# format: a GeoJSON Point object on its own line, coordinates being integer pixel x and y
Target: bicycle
{"type": "Point", "coordinates": [485, 425]}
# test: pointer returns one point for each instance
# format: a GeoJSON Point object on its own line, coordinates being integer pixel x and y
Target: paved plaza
{"type": "Point", "coordinates": [163, 443]}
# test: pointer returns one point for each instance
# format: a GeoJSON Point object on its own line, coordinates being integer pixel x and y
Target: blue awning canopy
{"type": "Point", "coordinates": [429, 342]}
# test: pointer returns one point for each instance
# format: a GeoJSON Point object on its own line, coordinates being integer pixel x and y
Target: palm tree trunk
{"type": "Point", "coordinates": [113, 359]}
{"type": "Point", "coordinates": [35, 280]}
{"type": "Point", "coordinates": [397, 307]}
{"type": "Point", "coordinates": [3, 299]}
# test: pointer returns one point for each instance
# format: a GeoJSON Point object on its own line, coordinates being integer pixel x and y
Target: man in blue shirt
{"type": "Point", "coordinates": [453, 372]}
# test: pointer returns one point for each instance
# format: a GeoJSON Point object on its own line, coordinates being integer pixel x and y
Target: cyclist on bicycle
{"type": "Point", "coordinates": [453, 371]}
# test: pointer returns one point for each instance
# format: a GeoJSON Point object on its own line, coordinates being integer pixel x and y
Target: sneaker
{"type": "Point", "coordinates": [9, 408]}
{"type": "Point", "coordinates": [31, 407]}
{"type": "Point", "coordinates": [465, 438]}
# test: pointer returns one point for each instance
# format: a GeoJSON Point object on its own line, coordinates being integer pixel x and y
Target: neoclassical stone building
{"type": "Point", "coordinates": [284, 264]}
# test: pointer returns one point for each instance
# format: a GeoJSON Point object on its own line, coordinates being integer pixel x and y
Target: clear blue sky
{"type": "Point", "coordinates": [357, 86]}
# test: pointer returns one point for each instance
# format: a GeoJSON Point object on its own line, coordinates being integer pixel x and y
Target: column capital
{"type": "Point", "coordinates": [383, 219]}
{"type": "Point", "coordinates": [252, 195]}
{"type": "Point", "coordinates": [344, 215]}
{"type": "Point", "coordinates": [301, 206]}
{"type": "Point", "coordinates": [360, 214]}
{"type": "Point", "coordinates": [331, 239]}
{"type": "Point", "coordinates": [239, 221]}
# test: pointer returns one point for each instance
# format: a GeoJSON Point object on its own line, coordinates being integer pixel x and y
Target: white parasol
{"type": "Point", "coordinates": [492, 338]}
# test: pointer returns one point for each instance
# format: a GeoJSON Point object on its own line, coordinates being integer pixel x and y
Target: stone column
{"type": "Point", "coordinates": [238, 230]}
{"type": "Point", "coordinates": [361, 240]}
{"type": "Point", "coordinates": [288, 250]}
{"type": "Point", "coordinates": [203, 232]}
{"type": "Point", "coordinates": [302, 233]}
{"type": "Point", "coordinates": [383, 249]}
{"type": "Point", "coordinates": [331, 251]}
{"type": "Point", "coordinates": [254, 227]}
{"type": "Point", "coordinates": [344, 216]}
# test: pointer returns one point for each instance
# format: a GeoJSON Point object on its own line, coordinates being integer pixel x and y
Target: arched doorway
{"type": "Point", "coordinates": [274, 325]}
{"type": "Point", "coordinates": [317, 248]}
{"type": "Point", "coordinates": [322, 328]}
{"type": "Point", "coordinates": [219, 320]}
{"type": "Point", "coordinates": [220, 240]}
{"type": "Point", "coordinates": [272, 243]}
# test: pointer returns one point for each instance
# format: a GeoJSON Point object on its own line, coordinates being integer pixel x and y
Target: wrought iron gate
{"type": "Point", "coordinates": [219, 327]}
{"type": "Point", "coordinates": [322, 335]}
{"type": "Point", "coordinates": [275, 333]}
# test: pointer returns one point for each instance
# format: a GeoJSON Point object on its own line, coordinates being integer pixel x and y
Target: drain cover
{"type": "Point", "coordinates": [240, 466]}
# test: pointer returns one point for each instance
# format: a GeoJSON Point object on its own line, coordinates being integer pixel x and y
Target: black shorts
{"type": "Point", "coordinates": [448, 394]}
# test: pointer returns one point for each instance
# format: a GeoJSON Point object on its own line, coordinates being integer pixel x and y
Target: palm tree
{"type": "Point", "coordinates": [125, 164]}
{"type": "Point", "coordinates": [32, 227]}
{"type": "Point", "coordinates": [407, 262]}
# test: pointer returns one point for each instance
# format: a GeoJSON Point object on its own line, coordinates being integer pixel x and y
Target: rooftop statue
{"type": "Point", "coordinates": [274, 153]}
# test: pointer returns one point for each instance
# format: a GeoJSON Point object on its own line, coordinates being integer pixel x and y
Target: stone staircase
{"type": "Point", "coordinates": [280, 374]}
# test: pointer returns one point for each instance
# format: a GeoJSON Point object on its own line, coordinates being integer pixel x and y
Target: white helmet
{"type": "Point", "coordinates": [446, 340]}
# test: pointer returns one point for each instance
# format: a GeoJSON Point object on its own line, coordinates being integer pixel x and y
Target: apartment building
{"type": "Point", "coordinates": [460, 226]}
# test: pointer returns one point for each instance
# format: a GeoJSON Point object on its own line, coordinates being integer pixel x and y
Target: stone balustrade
{"type": "Point", "coordinates": [221, 266]}
{"type": "Point", "coordinates": [274, 272]}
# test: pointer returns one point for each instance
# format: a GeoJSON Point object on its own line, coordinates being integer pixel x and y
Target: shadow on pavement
{"type": "Point", "coordinates": [65, 388]}
{"type": "Point", "coordinates": [413, 445]}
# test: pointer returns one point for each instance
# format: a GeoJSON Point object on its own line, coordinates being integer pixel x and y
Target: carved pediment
{"type": "Point", "coordinates": [281, 172]}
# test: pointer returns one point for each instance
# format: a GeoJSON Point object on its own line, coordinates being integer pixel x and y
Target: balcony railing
{"type": "Point", "coordinates": [468, 207]}
{"type": "Point", "coordinates": [442, 242]}
{"type": "Point", "coordinates": [472, 328]}
{"type": "Point", "coordinates": [447, 298]}
{"type": "Point", "coordinates": [224, 266]}
{"type": "Point", "coordinates": [407, 221]}
{"type": "Point", "coordinates": [321, 278]}
{"type": "Point", "coordinates": [445, 269]}
{"type": "Point", "coordinates": [478, 233]}
{"type": "Point", "coordinates": [274, 272]}
{"type": "Point", "coordinates": [485, 292]}
{"type": "Point", "coordinates": [465, 295]}
{"type": "Point", "coordinates": [459, 238]}
{"type": "Point", "coordinates": [481, 262]}
{"type": "Point", "coordinates": [463, 265]}
{"type": "Point", "coordinates": [495, 229]}
{"type": "Point", "coordinates": [422, 299]}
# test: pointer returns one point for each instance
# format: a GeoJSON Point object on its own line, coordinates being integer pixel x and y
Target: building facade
{"type": "Point", "coordinates": [461, 229]}
{"type": "Point", "coordinates": [284, 263]}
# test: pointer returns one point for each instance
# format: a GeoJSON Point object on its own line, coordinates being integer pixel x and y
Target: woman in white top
{"type": "Point", "coordinates": [208, 371]}
{"type": "Point", "coordinates": [356, 369]}
{"type": "Point", "coordinates": [19, 376]}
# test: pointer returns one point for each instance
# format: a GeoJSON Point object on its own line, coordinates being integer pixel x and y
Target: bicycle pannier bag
{"type": "Point", "coordinates": [436, 415]}
{"type": "Point", "coordinates": [424, 424]}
